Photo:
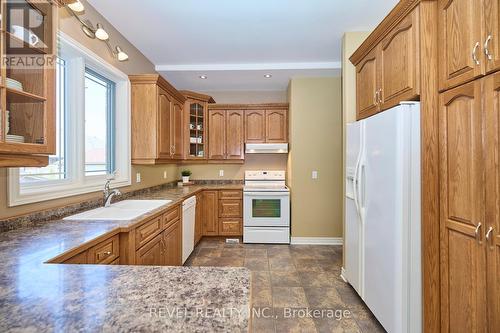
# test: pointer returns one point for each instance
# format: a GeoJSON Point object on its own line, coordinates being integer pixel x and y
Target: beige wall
{"type": "Point", "coordinates": [137, 63]}
{"type": "Point", "coordinates": [350, 42]}
{"type": "Point", "coordinates": [316, 144]}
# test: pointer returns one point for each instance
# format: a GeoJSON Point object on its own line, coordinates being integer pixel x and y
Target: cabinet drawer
{"type": "Point", "coordinates": [230, 227]}
{"type": "Point", "coordinates": [171, 216]}
{"type": "Point", "coordinates": [230, 194]}
{"type": "Point", "coordinates": [147, 231]}
{"type": "Point", "coordinates": [105, 252]}
{"type": "Point", "coordinates": [230, 208]}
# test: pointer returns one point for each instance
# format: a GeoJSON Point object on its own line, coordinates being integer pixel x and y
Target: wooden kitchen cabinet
{"type": "Point", "coordinates": [195, 124]}
{"type": "Point", "coordinates": [225, 135]}
{"type": "Point", "coordinates": [172, 241]}
{"type": "Point", "coordinates": [390, 72]}
{"type": "Point", "coordinates": [255, 126]}
{"type": "Point", "coordinates": [152, 253]}
{"type": "Point", "coordinates": [491, 103]}
{"type": "Point", "coordinates": [367, 88]}
{"type": "Point", "coordinates": [210, 212]}
{"type": "Point", "coordinates": [105, 252]}
{"type": "Point", "coordinates": [28, 131]}
{"type": "Point", "coordinates": [230, 227]}
{"type": "Point", "coordinates": [460, 41]}
{"type": "Point", "coordinates": [230, 208]}
{"type": "Point", "coordinates": [230, 212]}
{"type": "Point", "coordinates": [235, 146]}
{"type": "Point", "coordinates": [399, 63]}
{"type": "Point", "coordinates": [157, 120]}
{"type": "Point", "coordinates": [469, 36]}
{"type": "Point", "coordinates": [463, 256]}
{"type": "Point", "coordinates": [276, 126]}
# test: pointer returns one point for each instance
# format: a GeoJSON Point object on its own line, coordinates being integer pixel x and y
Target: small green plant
{"type": "Point", "coordinates": [186, 173]}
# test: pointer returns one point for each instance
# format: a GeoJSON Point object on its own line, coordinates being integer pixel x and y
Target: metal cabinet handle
{"type": "Point", "coordinates": [488, 233]}
{"type": "Point", "coordinates": [489, 56]}
{"type": "Point", "coordinates": [478, 228]}
{"type": "Point", "coordinates": [474, 54]}
{"type": "Point", "coordinates": [380, 96]}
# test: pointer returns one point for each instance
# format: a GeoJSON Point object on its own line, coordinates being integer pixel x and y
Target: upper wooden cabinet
{"type": "Point", "coordinates": [276, 126]}
{"type": "Point", "coordinates": [196, 124]}
{"type": "Point", "coordinates": [255, 126]}
{"type": "Point", "coordinates": [28, 129]}
{"type": "Point", "coordinates": [225, 135]}
{"type": "Point", "coordinates": [157, 120]}
{"type": "Point", "coordinates": [469, 33]}
{"type": "Point", "coordinates": [263, 123]}
{"type": "Point", "coordinates": [390, 72]}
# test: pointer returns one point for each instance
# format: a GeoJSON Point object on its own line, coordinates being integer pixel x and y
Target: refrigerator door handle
{"type": "Point", "coordinates": [362, 188]}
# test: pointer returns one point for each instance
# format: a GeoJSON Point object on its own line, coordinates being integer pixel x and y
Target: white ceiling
{"type": "Point", "coordinates": [235, 42]}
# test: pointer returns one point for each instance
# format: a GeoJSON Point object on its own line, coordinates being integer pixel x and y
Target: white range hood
{"type": "Point", "coordinates": [266, 148]}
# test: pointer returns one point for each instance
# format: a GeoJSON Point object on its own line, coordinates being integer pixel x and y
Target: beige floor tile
{"type": "Point", "coordinates": [292, 297]}
{"type": "Point", "coordinates": [262, 297]}
{"type": "Point", "coordinates": [209, 252]}
{"type": "Point", "coordinates": [281, 264]}
{"type": "Point", "coordinates": [290, 321]}
{"type": "Point", "coordinates": [316, 279]}
{"type": "Point", "coordinates": [285, 279]}
{"type": "Point", "coordinates": [257, 264]}
{"type": "Point", "coordinates": [255, 253]}
{"type": "Point", "coordinates": [326, 325]}
{"type": "Point", "coordinates": [324, 298]}
{"type": "Point", "coordinates": [261, 279]}
{"type": "Point", "coordinates": [263, 325]}
{"type": "Point", "coordinates": [233, 252]}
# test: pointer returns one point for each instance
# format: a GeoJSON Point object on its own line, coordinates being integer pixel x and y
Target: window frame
{"type": "Point", "coordinates": [77, 58]}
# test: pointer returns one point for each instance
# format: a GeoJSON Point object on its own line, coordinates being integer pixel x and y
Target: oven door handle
{"type": "Point", "coordinates": [266, 194]}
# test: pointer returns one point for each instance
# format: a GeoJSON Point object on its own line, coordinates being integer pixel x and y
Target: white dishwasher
{"type": "Point", "coordinates": [188, 221]}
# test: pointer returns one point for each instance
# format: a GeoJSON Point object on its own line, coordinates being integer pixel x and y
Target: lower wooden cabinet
{"type": "Point", "coordinates": [172, 242]}
{"type": "Point", "coordinates": [230, 208]}
{"type": "Point", "coordinates": [230, 226]}
{"type": "Point", "coordinates": [210, 212]}
{"type": "Point", "coordinates": [151, 254]}
{"type": "Point", "coordinates": [79, 259]}
{"type": "Point", "coordinates": [198, 226]}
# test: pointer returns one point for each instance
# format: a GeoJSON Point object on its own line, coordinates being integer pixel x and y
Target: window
{"type": "Point", "coordinates": [99, 124]}
{"type": "Point", "coordinates": [93, 130]}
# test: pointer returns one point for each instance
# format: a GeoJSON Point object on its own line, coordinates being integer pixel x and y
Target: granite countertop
{"type": "Point", "coordinates": [50, 297]}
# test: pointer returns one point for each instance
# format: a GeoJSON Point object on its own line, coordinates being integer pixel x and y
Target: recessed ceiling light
{"type": "Point", "coordinates": [268, 76]}
{"type": "Point", "coordinates": [203, 77]}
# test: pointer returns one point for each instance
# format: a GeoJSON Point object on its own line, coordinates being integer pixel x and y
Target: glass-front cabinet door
{"type": "Point", "coordinates": [197, 130]}
{"type": "Point", "coordinates": [28, 69]}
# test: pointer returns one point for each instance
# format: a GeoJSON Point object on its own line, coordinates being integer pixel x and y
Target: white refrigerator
{"type": "Point", "coordinates": [382, 216]}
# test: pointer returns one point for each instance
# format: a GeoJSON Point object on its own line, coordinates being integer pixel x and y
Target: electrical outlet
{"type": "Point", "coordinates": [138, 177]}
{"type": "Point", "coordinates": [165, 174]}
{"type": "Point", "coordinates": [221, 173]}
{"type": "Point", "coordinates": [315, 174]}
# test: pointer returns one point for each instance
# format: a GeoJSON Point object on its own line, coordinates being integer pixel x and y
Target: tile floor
{"type": "Point", "coordinates": [287, 281]}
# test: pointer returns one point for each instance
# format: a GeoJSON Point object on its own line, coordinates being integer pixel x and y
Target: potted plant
{"type": "Point", "coordinates": [185, 176]}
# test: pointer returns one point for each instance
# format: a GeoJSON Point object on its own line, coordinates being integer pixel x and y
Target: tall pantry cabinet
{"type": "Point", "coordinates": [469, 118]}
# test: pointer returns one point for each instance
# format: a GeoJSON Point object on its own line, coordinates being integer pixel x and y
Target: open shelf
{"type": "Point", "coordinates": [18, 96]}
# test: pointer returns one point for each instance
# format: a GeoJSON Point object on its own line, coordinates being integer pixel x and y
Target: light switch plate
{"type": "Point", "coordinates": [315, 174]}
{"type": "Point", "coordinates": [221, 173]}
{"type": "Point", "coordinates": [138, 177]}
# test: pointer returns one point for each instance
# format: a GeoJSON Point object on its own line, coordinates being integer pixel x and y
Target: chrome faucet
{"type": "Point", "coordinates": [109, 194]}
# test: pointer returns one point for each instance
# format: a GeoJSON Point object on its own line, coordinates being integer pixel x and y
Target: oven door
{"type": "Point", "coordinates": [266, 209]}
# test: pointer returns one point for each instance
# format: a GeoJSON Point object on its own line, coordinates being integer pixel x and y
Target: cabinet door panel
{"type": "Point", "coordinates": [210, 213]}
{"type": "Point", "coordinates": [173, 250]}
{"type": "Point", "coordinates": [491, 36]}
{"type": "Point", "coordinates": [399, 61]}
{"type": "Point", "coordinates": [459, 30]}
{"type": "Point", "coordinates": [164, 119]}
{"type": "Point", "coordinates": [255, 126]}
{"type": "Point", "coordinates": [462, 210]}
{"type": "Point", "coordinates": [492, 125]}
{"type": "Point", "coordinates": [198, 227]}
{"type": "Point", "coordinates": [217, 134]}
{"type": "Point", "coordinates": [234, 135]}
{"type": "Point", "coordinates": [230, 208]}
{"type": "Point", "coordinates": [366, 86]}
{"type": "Point", "coordinates": [276, 126]}
{"type": "Point", "coordinates": [151, 254]}
{"type": "Point", "coordinates": [177, 127]}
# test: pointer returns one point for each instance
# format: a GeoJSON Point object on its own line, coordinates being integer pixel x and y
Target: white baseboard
{"type": "Point", "coordinates": [316, 241]}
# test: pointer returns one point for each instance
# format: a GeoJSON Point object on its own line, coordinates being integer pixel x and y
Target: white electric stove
{"type": "Point", "coordinates": [266, 208]}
